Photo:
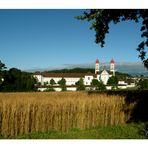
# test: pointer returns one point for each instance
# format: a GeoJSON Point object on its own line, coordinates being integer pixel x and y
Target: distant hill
{"type": "Point", "coordinates": [74, 70]}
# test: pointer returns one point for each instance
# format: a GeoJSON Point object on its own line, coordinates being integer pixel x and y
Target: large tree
{"type": "Point", "coordinates": [113, 81]}
{"type": "Point", "coordinates": [17, 81]}
{"type": "Point", "coordinates": [100, 20]}
{"type": "Point", "coordinates": [98, 84]}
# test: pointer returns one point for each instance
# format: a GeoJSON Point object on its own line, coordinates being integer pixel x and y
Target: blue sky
{"type": "Point", "coordinates": [52, 38]}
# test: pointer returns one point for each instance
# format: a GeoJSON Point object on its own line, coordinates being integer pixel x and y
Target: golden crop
{"type": "Point", "coordinates": [22, 113]}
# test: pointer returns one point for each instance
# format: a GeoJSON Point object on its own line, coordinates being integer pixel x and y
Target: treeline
{"type": "Point", "coordinates": [74, 70]}
{"type": "Point", "coordinates": [15, 80]}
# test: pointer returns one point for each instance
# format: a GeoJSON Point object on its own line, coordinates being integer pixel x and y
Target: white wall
{"type": "Point", "coordinates": [108, 87]}
{"type": "Point", "coordinates": [131, 85]}
{"type": "Point", "coordinates": [42, 89]}
{"type": "Point", "coordinates": [59, 89]}
{"type": "Point", "coordinates": [71, 88]}
{"type": "Point", "coordinates": [47, 79]}
{"type": "Point", "coordinates": [88, 80]}
{"type": "Point", "coordinates": [122, 87]}
{"type": "Point", "coordinates": [122, 82]}
{"type": "Point", "coordinates": [104, 76]}
{"type": "Point", "coordinates": [71, 81]}
{"type": "Point", "coordinates": [39, 78]}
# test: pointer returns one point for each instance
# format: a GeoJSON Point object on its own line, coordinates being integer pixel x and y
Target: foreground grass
{"type": "Point", "coordinates": [128, 131]}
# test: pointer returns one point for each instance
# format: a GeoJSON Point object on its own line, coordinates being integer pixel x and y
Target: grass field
{"type": "Point", "coordinates": [23, 113]}
{"type": "Point", "coordinates": [127, 131]}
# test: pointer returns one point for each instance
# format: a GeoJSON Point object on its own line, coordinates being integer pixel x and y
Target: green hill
{"type": "Point", "coordinates": [74, 70]}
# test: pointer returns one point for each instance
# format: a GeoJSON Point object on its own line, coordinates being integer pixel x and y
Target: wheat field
{"type": "Point", "coordinates": [23, 113]}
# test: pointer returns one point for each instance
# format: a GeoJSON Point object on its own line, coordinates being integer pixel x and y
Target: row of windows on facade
{"type": "Point", "coordinates": [88, 78]}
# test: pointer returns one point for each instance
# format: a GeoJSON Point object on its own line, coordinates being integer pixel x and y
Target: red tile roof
{"type": "Point", "coordinates": [70, 75]}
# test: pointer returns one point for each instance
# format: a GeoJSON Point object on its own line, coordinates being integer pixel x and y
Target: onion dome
{"type": "Point", "coordinates": [112, 61]}
{"type": "Point", "coordinates": [97, 61]}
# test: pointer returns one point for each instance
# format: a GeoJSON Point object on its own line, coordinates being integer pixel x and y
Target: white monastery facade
{"type": "Point", "coordinates": [72, 78]}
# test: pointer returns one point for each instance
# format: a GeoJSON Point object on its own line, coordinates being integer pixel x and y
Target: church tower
{"type": "Point", "coordinates": [97, 66]}
{"type": "Point", "coordinates": [112, 67]}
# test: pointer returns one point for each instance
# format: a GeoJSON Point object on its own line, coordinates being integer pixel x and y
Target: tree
{"type": "Point", "coordinates": [142, 84]}
{"type": "Point", "coordinates": [2, 67]}
{"type": "Point", "coordinates": [45, 83]}
{"type": "Point", "coordinates": [80, 85]}
{"type": "Point", "coordinates": [100, 20]}
{"type": "Point", "coordinates": [52, 82]}
{"type": "Point", "coordinates": [98, 84]}
{"type": "Point", "coordinates": [16, 81]}
{"type": "Point", "coordinates": [94, 82]}
{"type": "Point", "coordinates": [113, 81]}
{"type": "Point", "coordinates": [62, 83]}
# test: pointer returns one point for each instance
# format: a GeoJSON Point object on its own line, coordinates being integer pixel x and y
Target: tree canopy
{"type": "Point", "coordinates": [14, 80]}
{"type": "Point", "coordinates": [112, 81]}
{"type": "Point", "coordinates": [2, 67]}
{"type": "Point", "coordinates": [98, 84]}
{"type": "Point", "coordinates": [101, 18]}
{"type": "Point", "coordinates": [94, 82]}
{"type": "Point", "coordinates": [142, 84]}
{"type": "Point", "coordinates": [52, 82]}
{"type": "Point", "coordinates": [62, 83]}
{"type": "Point", "coordinates": [80, 85]}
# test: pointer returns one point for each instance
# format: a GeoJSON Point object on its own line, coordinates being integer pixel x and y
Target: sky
{"type": "Point", "coordinates": [53, 38]}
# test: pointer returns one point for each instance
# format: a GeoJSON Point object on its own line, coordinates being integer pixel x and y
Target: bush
{"type": "Point", "coordinates": [49, 89]}
{"type": "Point", "coordinates": [142, 84]}
{"type": "Point", "coordinates": [80, 85]}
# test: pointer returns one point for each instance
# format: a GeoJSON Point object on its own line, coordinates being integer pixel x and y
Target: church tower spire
{"type": "Point", "coordinates": [97, 66]}
{"type": "Point", "coordinates": [112, 66]}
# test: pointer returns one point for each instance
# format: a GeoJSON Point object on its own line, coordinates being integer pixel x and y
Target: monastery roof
{"type": "Point", "coordinates": [73, 75]}
{"type": "Point", "coordinates": [105, 70]}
